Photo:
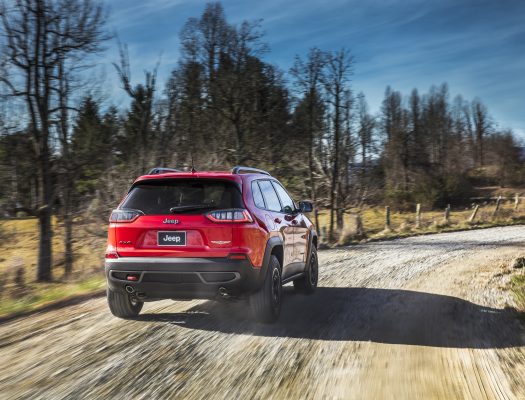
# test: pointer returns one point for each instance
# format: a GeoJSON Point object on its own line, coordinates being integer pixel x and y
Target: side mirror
{"type": "Point", "coordinates": [288, 210]}
{"type": "Point", "coordinates": [305, 206]}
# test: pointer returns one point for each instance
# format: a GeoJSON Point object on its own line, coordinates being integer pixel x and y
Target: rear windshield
{"type": "Point", "coordinates": [157, 197]}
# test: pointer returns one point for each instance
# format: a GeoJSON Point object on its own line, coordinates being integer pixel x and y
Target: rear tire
{"type": "Point", "coordinates": [266, 303]}
{"type": "Point", "coordinates": [308, 283]}
{"type": "Point", "coordinates": [122, 305]}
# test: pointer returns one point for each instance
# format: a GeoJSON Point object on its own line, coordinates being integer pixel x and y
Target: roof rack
{"type": "Point", "coordinates": [239, 169]}
{"type": "Point", "coordinates": [161, 170]}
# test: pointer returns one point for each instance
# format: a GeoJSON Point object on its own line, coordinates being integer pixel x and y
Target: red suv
{"type": "Point", "coordinates": [209, 235]}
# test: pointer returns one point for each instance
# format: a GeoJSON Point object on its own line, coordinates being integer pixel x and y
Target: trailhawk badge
{"type": "Point", "coordinates": [170, 221]}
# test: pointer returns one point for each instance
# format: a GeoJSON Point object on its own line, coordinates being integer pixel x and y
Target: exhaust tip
{"type": "Point", "coordinates": [129, 289]}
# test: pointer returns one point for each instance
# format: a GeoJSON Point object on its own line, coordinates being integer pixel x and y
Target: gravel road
{"type": "Point", "coordinates": [416, 318]}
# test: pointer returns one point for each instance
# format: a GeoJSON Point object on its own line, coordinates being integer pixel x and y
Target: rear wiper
{"type": "Point", "coordinates": [191, 208]}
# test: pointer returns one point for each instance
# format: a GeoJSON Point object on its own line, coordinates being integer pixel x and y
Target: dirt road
{"type": "Point", "coordinates": [413, 318]}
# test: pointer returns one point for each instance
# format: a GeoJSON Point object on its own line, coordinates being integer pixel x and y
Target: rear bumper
{"type": "Point", "coordinates": [183, 278]}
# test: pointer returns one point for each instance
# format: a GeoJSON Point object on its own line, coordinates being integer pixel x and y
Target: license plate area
{"type": "Point", "coordinates": [171, 238]}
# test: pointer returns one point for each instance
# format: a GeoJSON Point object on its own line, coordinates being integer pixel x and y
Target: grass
{"type": "Point", "coordinates": [19, 291]}
{"type": "Point", "coordinates": [38, 295]}
{"type": "Point", "coordinates": [518, 288]}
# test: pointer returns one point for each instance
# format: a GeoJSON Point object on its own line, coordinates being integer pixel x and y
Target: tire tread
{"type": "Point", "coordinates": [303, 285]}
{"type": "Point", "coordinates": [120, 305]}
{"type": "Point", "coordinates": [261, 301]}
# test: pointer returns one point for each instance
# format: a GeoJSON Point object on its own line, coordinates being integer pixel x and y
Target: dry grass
{"type": "Point", "coordinates": [404, 223]}
{"type": "Point", "coordinates": [19, 291]}
{"type": "Point", "coordinates": [518, 288]}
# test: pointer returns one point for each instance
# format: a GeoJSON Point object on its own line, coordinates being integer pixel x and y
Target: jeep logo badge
{"type": "Point", "coordinates": [170, 221]}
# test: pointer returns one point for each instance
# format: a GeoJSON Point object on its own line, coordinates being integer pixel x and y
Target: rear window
{"type": "Point", "coordinates": [156, 197]}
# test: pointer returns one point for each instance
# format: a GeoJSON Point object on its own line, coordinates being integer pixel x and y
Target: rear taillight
{"type": "Point", "coordinates": [111, 254]}
{"type": "Point", "coordinates": [124, 215]}
{"type": "Point", "coordinates": [233, 215]}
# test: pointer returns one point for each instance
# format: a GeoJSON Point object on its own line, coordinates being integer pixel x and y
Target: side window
{"type": "Point", "coordinates": [286, 201]}
{"type": "Point", "coordinates": [270, 197]}
{"type": "Point", "coordinates": [257, 195]}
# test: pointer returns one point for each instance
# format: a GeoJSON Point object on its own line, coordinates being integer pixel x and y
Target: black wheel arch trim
{"type": "Point", "coordinates": [313, 235]}
{"type": "Point", "coordinates": [271, 244]}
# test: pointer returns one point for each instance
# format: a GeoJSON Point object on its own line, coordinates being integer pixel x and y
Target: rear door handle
{"type": "Point", "coordinates": [277, 220]}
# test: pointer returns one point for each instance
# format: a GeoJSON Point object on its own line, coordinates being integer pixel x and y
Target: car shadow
{"type": "Point", "coordinates": [364, 314]}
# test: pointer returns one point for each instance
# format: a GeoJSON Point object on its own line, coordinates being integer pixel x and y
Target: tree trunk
{"type": "Point", "coordinates": [44, 248]}
{"type": "Point", "coordinates": [316, 216]}
{"type": "Point", "coordinates": [335, 169]}
{"type": "Point", "coordinates": [340, 219]}
{"type": "Point", "coordinates": [68, 232]}
{"type": "Point", "coordinates": [331, 228]}
{"type": "Point", "coordinates": [339, 210]}
{"type": "Point", "coordinates": [240, 156]}
{"type": "Point", "coordinates": [481, 161]}
{"type": "Point", "coordinates": [311, 157]}
{"type": "Point", "coordinates": [44, 273]}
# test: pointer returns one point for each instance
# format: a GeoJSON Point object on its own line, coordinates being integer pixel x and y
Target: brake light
{"type": "Point", "coordinates": [233, 215]}
{"type": "Point", "coordinates": [124, 215]}
{"type": "Point", "coordinates": [111, 254]}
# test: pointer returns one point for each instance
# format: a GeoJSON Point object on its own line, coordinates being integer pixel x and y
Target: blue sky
{"type": "Point", "coordinates": [477, 46]}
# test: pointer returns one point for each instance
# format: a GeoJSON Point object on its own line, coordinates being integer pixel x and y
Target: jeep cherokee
{"type": "Point", "coordinates": [209, 235]}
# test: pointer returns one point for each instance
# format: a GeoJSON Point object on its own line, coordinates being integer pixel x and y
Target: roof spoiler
{"type": "Point", "coordinates": [161, 170]}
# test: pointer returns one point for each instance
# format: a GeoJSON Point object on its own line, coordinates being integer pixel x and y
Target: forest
{"type": "Point", "coordinates": [66, 153]}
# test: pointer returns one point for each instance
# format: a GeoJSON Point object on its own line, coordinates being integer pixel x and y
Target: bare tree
{"type": "Point", "coordinates": [238, 81]}
{"type": "Point", "coordinates": [143, 96]}
{"type": "Point", "coordinates": [346, 187]}
{"type": "Point", "coordinates": [482, 128]}
{"type": "Point", "coordinates": [336, 81]}
{"type": "Point", "coordinates": [39, 37]}
{"type": "Point", "coordinates": [308, 77]}
{"type": "Point", "coordinates": [366, 125]}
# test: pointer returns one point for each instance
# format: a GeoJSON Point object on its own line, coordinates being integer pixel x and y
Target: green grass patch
{"type": "Point", "coordinates": [37, 295]}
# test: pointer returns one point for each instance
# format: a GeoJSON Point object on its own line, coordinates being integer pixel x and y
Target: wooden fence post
{"type": "Point", "coordinates": [498, 201]}
{"type": "Point", "coordinates": [418, 215]}
{"type": "Point", "coordinates": [387, 218]}
{"type": "Point", "coordinates": [474, 213]}
{"type": "Point", "coordinates": [447, 214]}
{"type": "Point", "coordinates": [516, 201]}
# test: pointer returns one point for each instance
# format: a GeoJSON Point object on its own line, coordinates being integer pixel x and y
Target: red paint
{"type": "Point", "coordinates": [209, 236]}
